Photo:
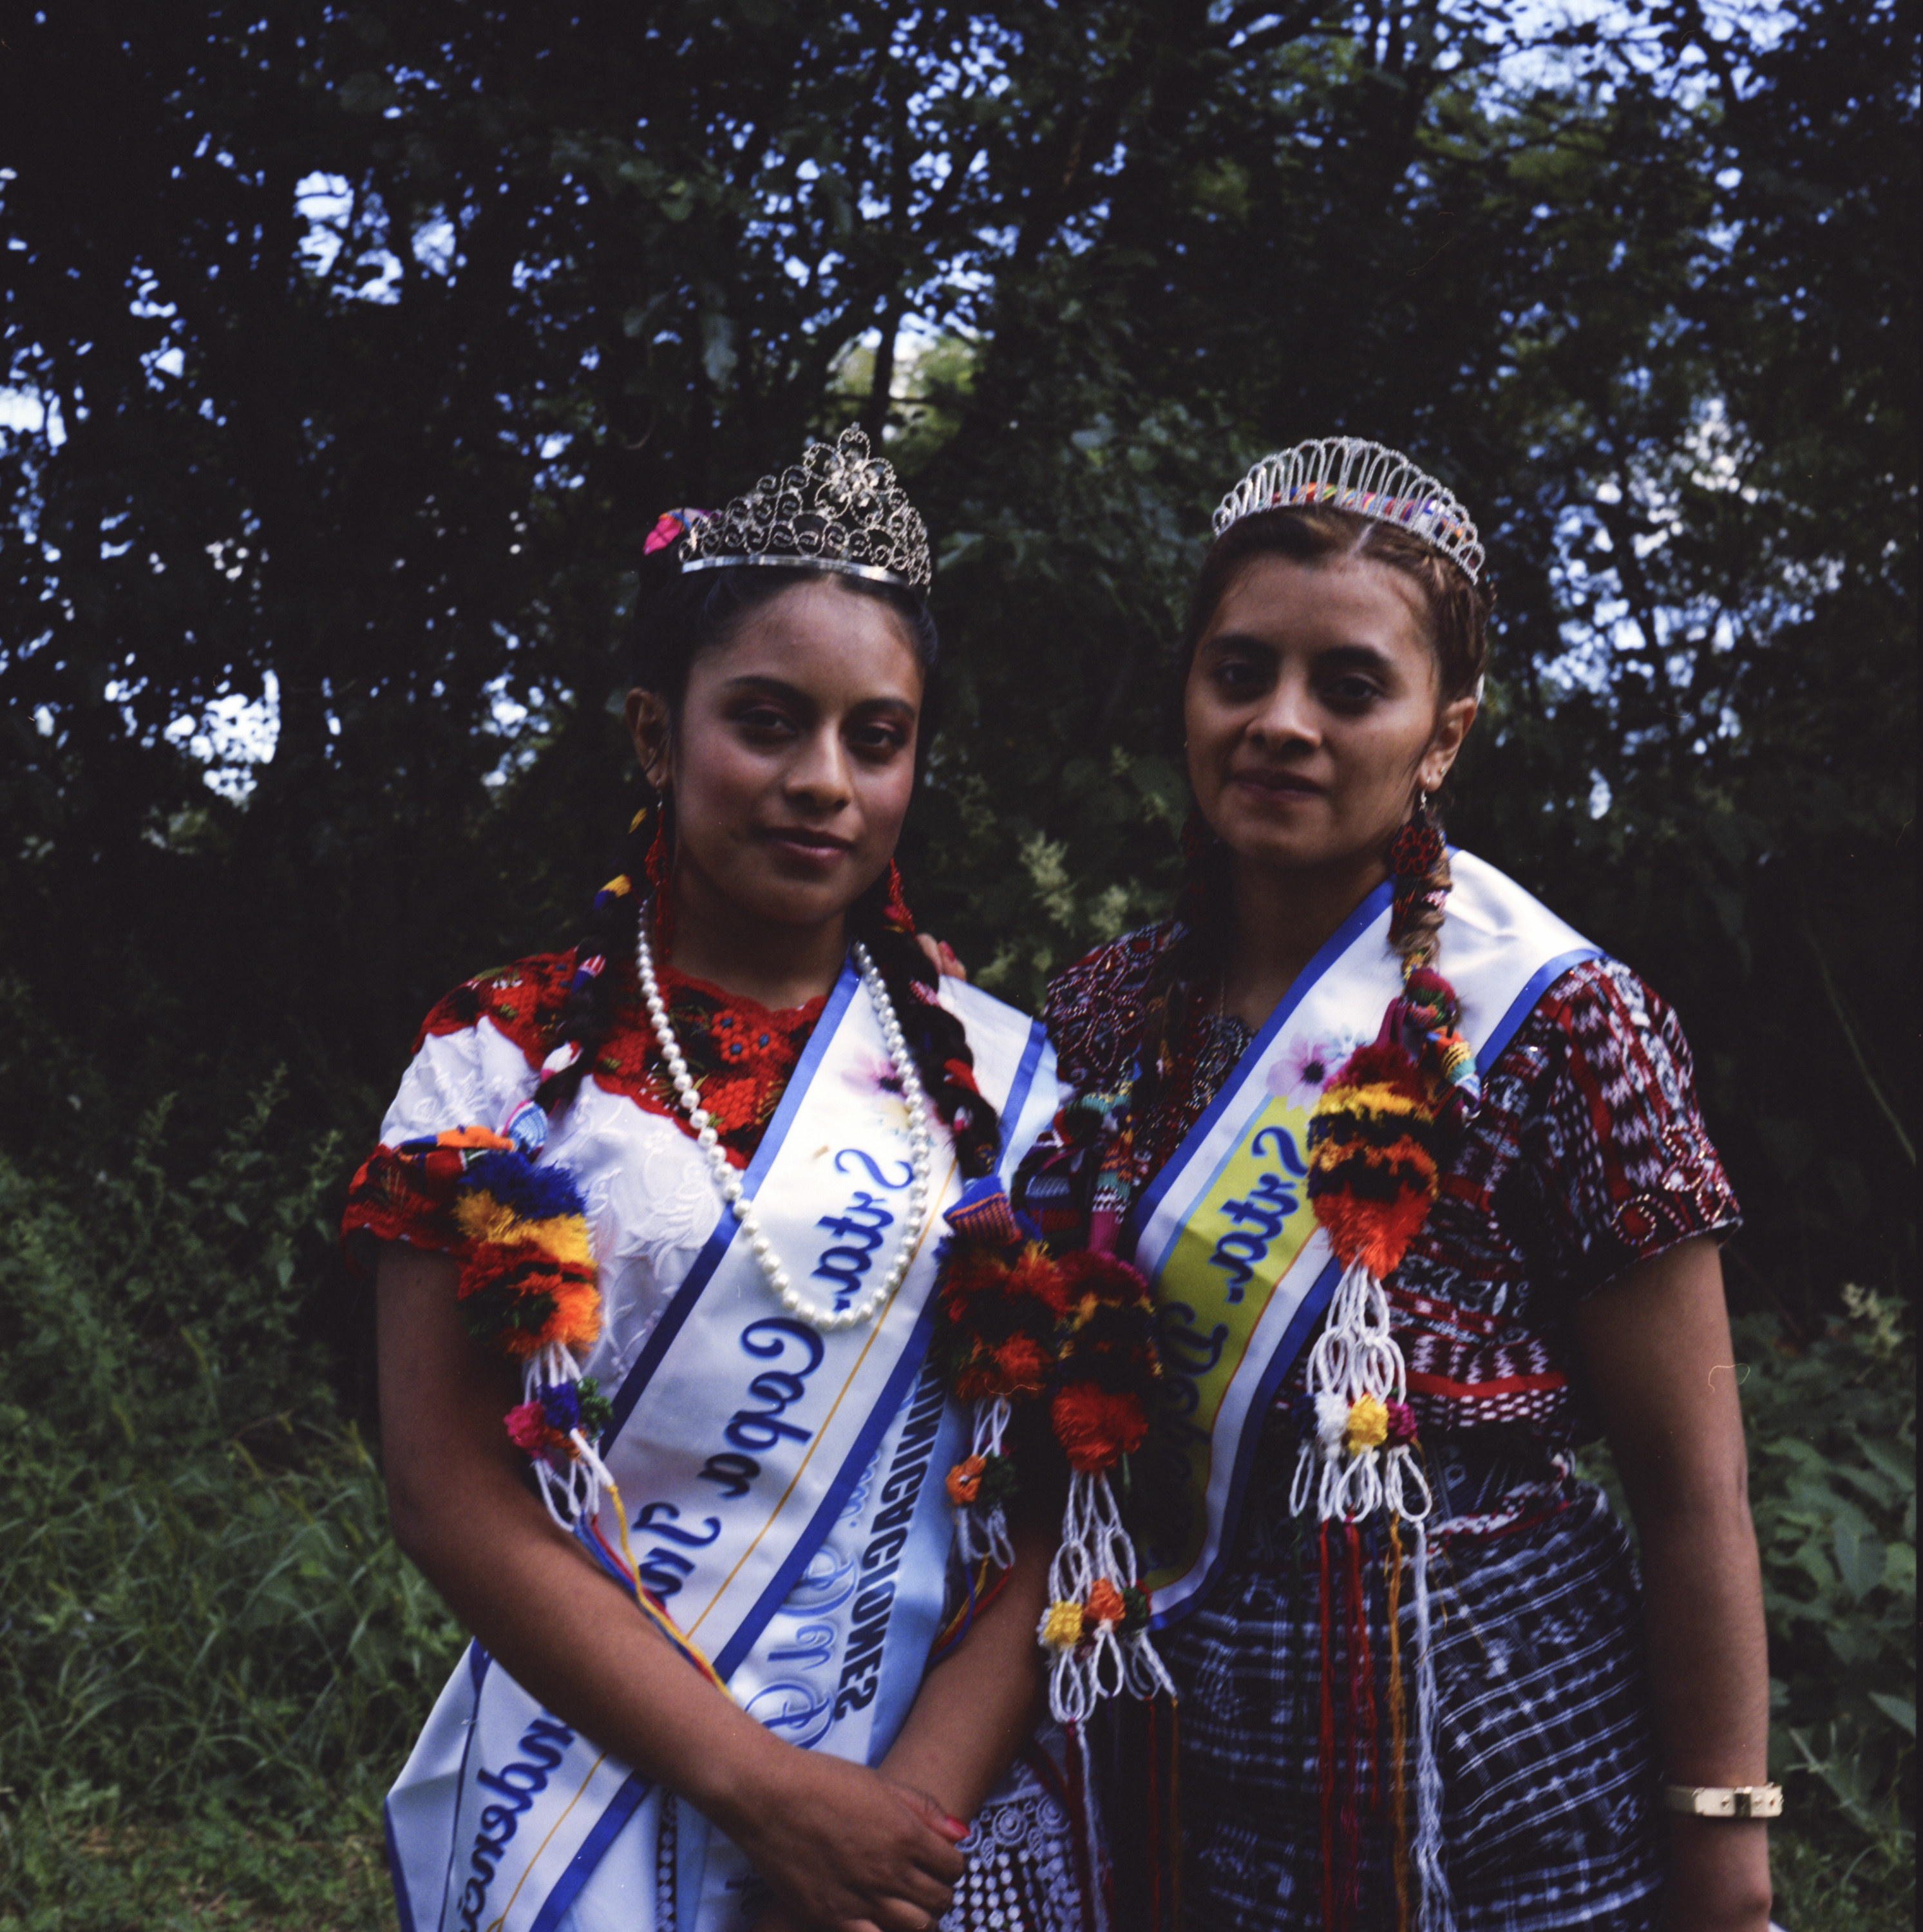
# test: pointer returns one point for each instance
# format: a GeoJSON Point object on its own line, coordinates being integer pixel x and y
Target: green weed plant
{"type": "Point", "coordinates": [212, 1657]}
{"type": "Point", "coordinates": [1832, 1434]}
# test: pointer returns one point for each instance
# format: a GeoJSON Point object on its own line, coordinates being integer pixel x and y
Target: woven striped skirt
{"type": "Point", "coordinates": [1544, 1736]}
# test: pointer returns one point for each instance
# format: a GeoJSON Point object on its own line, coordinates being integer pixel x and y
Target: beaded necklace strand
{"type": "Point", "coordinates": [727, 1182]}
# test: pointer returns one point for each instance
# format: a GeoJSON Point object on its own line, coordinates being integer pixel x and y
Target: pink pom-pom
{"type": "Point", "coordinates": [527, 1427]}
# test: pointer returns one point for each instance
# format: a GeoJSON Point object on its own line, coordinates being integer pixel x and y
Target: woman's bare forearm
{"type": "Point", "coordinates": [976, 1709]}
{"type": "Point", "coordinates": [1661, 1369]}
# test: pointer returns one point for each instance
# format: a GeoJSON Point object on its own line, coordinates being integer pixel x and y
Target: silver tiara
{"type": "Point", "coordinates": [839, 508]}
{"type": "Point", "coordinates": [1366, 478]}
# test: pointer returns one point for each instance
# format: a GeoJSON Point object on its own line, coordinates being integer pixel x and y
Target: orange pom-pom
{"type": "Point", "coordinates": [1106, 1277]}
{"type": "Point", "coordinates": [1095, 1428]}
{"type": "Point", "coordinates": [964, 1481]}
{"type": "Point", "coordinates": [1105, 1604]}
{"type": "Point", "coordinates": [1037, 1274]}
{"type": "Point", "coordinates": [1024, 1364]}
{"type": "Point", "coordinates": [1373, 1142]}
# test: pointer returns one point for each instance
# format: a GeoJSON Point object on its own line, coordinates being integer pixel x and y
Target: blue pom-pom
{"type": "Point", "coordinates": [560, 1406]}
{"type": "Point", "coordinates": [534, 1193]}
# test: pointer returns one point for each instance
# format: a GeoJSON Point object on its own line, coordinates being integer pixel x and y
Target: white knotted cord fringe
{"type": "Point", "coordinates": [1091, 1821]}
{"type": "Point", "coordinates": [1355, 1356]}
{"type": "Point", "coordinates": [1094, 1545]}
{"type": "Point", "coordinates": [982, 1534]}
{"type": "Point", "coordinates": [576, 1487]}
{"type": "Point", "coordinates": [1436, 1912]}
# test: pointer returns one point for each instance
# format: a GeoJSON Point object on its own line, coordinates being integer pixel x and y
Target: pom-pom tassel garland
{"type": "Point", "coordinates": [979, 1485]}
{"type": "Point", "coordinates": [527, 1290]}
{"type": "Point", "coordinates": [1377, 1142]}
{"type": "Point", "coordinates": [1075, 1335]}
{"type": "Point", "coordinates": [1097, 1623]}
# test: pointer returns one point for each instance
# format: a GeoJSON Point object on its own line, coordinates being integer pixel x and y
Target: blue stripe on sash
{"type": "Point", "coordinates": [1018, 1092]}
{"type": "Point", "coordinates": [1321, 1292]}
{"type": "Point", "coordinates": [478, 1663]}
{"type": "Point", "coordinates": [709, 1259]}
{"type": "Point", "coordinates": [1521, 1006]}
{"type": "Point", "coordinates": [1333, 948]}
{"type": "Point", "coordinates": [621, 1807]}
{"type": "Point", "coordinates": [887, 1406]}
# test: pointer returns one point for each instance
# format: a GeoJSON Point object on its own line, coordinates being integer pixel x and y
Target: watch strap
{"type": "Point", "coordinates": [1725, 1801]}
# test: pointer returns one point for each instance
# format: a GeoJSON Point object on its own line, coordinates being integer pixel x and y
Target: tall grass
{"type": "Point", "coordinates": [212, 1658]}
{"type": "Point", "coordinates": [210, 1631]}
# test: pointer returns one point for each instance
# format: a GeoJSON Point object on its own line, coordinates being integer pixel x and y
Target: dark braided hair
{"type": "Point", "coordinates": [1458, 613]}
{"type": "Point", "coordinates": [677, 615]}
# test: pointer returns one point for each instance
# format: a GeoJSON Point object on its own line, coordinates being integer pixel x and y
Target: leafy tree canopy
{"type": "Point", "coordinates": [349, 351]}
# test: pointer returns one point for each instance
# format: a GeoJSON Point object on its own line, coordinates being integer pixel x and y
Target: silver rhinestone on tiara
{"type": "Point", "coordinates": [1368, 479]}
{"type": "Point", "coordinates": [839, 508]}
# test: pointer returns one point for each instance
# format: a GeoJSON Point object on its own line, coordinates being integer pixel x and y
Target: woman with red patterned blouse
{"type": "Point", "coordinates": [668, 1201]}
{"type": "Point", "coordinates": [1421, 1683]}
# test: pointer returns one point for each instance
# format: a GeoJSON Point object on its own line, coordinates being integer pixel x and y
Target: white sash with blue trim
{"type": "Point", "coordinates": [785, 1494]}
{"type": "Point", "coordinates": [1241, 1271]}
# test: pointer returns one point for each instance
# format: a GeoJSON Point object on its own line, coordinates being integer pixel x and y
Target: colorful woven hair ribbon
{"type": "Point", "coordinates": [1377, 1142]}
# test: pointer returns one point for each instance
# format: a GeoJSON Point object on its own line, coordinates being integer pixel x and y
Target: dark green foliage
{"type": "Point", "coordinates": [1832, 1425]}
{"type": "Point", "coordinates": [622, 254]}
{"type": "Point", "coordinates": [1833, 1473]}
{"type": "Point", "coordinates": [193, 1549]}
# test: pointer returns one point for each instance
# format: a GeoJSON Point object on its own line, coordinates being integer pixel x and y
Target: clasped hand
{"type": "Point", "coordinates": [842, 1847]}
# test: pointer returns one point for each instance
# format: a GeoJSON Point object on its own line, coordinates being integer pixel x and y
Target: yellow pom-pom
{"type": "Point", "coordinates": [1368, 1425]}
{"type": "Point", "coordinates": [1061, 1628]}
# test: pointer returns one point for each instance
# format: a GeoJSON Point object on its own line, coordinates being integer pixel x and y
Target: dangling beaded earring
{"type": "Point", "coordinates": [657, 862]}
{"type": "Point", "coordinates": [895, 913]}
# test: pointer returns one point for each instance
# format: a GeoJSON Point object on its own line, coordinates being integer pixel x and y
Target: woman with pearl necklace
{"type": "Point", "coordinates": [671, 1200]}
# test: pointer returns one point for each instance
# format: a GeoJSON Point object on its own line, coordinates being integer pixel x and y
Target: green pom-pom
{"type": "Point", "coordinates": [1134, 1610]}
{"type": "Point", "coordinates": [1000, 1480]}
{"type": "Point", "coordinates": [597, 1411]}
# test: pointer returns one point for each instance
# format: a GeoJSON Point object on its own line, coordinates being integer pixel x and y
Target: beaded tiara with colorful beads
{"type": "Point", "coordinates": [1368, 479]}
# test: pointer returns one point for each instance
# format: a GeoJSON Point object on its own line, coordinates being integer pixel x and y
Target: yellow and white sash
{"type": "Point", "coordinates": [1242, 1272]}
{"type": "Point", "coordinates": [785, 1499]}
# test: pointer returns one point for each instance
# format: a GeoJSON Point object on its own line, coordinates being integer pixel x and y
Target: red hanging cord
{"type": "Point", "coordinates": [1398, 1730]}
{"type": "Point", "coordinates": [1362, 1678]}
{"type": "Point", "coordinates": [1327, 1744]}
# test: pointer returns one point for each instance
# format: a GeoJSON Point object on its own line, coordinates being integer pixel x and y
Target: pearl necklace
{"type": "Point", "coordinates": [727, 1182]}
